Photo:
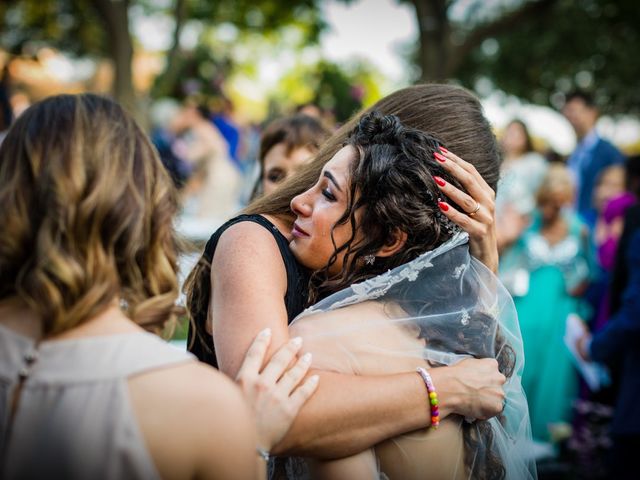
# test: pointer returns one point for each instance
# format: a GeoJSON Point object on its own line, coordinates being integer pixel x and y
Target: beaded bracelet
{"type": "Point", "coordinates": [433, 397]}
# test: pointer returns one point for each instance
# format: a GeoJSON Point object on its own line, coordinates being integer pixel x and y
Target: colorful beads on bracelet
{"type": "Point", "coordinates": [433, 397]}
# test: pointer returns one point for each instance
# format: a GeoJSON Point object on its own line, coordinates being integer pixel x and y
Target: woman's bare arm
{"type": "Point", "coordinates": [348, 413]}
{"type": "Point", "coordinates": [248, 282]}
{"type": "Point", "coordinates": [201, 428]}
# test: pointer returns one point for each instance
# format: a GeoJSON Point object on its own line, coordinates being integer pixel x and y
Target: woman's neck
{"type": "Point", "coordinates": [513, 156]}
{"type": "Point", "coordinates": [284, 223]}
{"type": "Point", "coordinates": [17, 316]}
{"type": "Point", "coordinates": [554, 230]}
{"type": "Point", "coordinates": [108, 322]}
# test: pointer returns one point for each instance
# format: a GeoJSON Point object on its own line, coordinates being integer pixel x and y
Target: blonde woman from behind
{"type": "Point", "coordinates": [87, 269]}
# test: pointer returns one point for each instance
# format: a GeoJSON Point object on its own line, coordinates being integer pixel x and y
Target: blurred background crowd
{"type": "Point", "coordinates": [237, 94]}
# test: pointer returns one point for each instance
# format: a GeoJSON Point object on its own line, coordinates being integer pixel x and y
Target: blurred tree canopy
{"type": "Point", "coordinates": [534, 49]}
{"type": "Point", "coordinates": [248, 17]}
{"type": "Point", "coordinates": [340, 90]}
{"type": "Point", "coordinates": [80, 27]}
{"type": "Point", "coordinates": [588, 44]}
{"type": "Point", "coordinates": [448, 30]}
{"type": "Point", "coordinates": [101, 28]}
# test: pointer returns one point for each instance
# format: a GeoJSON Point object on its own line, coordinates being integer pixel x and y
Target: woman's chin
{"type": "Point", "coordinates": [298, 250]}
{"type": "Point", "coordinates": [305, 256]}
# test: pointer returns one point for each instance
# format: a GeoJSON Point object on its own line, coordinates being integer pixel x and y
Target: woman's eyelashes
{"type": "Point", "coordinates": [328, 195]}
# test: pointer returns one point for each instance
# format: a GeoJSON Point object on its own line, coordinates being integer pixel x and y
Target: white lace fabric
{"type": "Point", "coordinates": [442, 307]}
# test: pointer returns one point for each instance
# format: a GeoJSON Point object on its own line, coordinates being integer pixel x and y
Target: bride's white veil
{"type": "Point", "coordinates": [452, 307]}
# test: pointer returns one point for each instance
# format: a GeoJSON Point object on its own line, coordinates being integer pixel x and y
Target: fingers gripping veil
{"type": "Point", "coordinates": [438, 309]}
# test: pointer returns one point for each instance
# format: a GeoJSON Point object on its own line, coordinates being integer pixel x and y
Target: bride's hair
{"type": "Point", "coordinates": [391, 189]}
{"type": "Point", "coordinates": [479, 336]}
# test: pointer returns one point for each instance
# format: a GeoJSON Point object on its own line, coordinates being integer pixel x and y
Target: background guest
{"type": "Point", "coordinates": [592, 154]}
{"type": "Point", "coordinates": [287, 143]}
{"type": "Point", "coordinates": [521, 173]}
{"type": "Point", "coordinates": [554, 257]}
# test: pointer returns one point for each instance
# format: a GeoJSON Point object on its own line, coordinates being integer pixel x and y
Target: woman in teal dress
{"type": "Point", "coordinates": [549, 267]}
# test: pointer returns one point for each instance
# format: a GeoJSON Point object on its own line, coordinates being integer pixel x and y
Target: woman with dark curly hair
{"type": "Point", "coordinates": [397, 290]}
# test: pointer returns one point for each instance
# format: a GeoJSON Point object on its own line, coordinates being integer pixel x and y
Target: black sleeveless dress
{"type": "Point", "coordinates": [200, 343]}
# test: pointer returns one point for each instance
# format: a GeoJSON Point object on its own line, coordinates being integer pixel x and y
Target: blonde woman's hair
{"type": "Point", "coordinates": [557, 179]}
{"type": "Point", "coordinates": [87, 212]}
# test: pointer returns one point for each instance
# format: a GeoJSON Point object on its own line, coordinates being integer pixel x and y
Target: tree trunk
{"type": "Point", "coordinates": [433, 28]}
{"type": "Point", "coordinates": [167, 80]}
{"type": "Point", "coordinates": [115, 19]}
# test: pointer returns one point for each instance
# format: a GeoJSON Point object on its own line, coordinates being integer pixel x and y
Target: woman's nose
{"type": "Point", "coordinates": [300, 205]}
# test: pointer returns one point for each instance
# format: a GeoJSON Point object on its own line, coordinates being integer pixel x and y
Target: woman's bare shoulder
{"type": "Point", "coordinates": [186, 410]}
{"type": "Point", "coordinates": [188, 388]}
{"type": "Point", "coordinates": [187, 385]}
{"type": "Point", "coordinates": [250, 246]}
{"type": "Point", "coordinates": [341, 340]}
{"type": "Point", "coordinates": [344, 318]}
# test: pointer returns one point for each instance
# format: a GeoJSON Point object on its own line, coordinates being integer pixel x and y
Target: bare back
{"type": "Point", "coordinates": [419, 454]}
{"type": "Point", "coordinates": [118, 405]}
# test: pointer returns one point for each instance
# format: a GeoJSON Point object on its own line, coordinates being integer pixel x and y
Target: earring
{"type": "Point", "coordinates": [369, 259]}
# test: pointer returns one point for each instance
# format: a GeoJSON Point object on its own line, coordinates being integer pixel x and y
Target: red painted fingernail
{"type": "Point", "coordinates": [439, 181]}
{"type": "Point", "coordinates": [439, 157]}
{"type": "Point", "coordinates": [443, 150]}
{"type": "Point", "coordinates": [443, 206]}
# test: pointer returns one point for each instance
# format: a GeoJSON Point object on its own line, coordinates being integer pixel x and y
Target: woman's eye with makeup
{"type": "Point", "coordinates": [276, 175]}
{"type": "Point", "coordinates": [328, 195]}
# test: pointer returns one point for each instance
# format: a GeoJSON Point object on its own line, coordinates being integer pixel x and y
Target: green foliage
{"type": "Point", "coordinates": [588, 44]}
{"type": "Point", "coordinates": [260, 15]}
{"type": "Point", "coordinates": [336, 92]}
{"type": "Point", "coordinates": [224, 51]}
{"type": "Point", "coordinates": [73, 27]}
{"type": "Point", "coordinates": [180, 328]}
{"type": "Point", "coordinates": [70, 25]}
{"type": "Point", "coordinates": [343, 91]}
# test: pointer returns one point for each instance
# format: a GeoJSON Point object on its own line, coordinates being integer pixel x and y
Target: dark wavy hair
{"type": "Point", "coordinates": [479, 336]}
{"type": "Point", "coordinates": [391, 188]}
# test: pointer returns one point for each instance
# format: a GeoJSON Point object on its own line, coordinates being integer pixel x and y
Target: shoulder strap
{"type": "Point", "coordinates": [211, 245]}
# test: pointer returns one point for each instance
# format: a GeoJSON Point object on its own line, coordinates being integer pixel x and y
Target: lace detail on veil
{"type": "Point", "coordinates": [378, 286]}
